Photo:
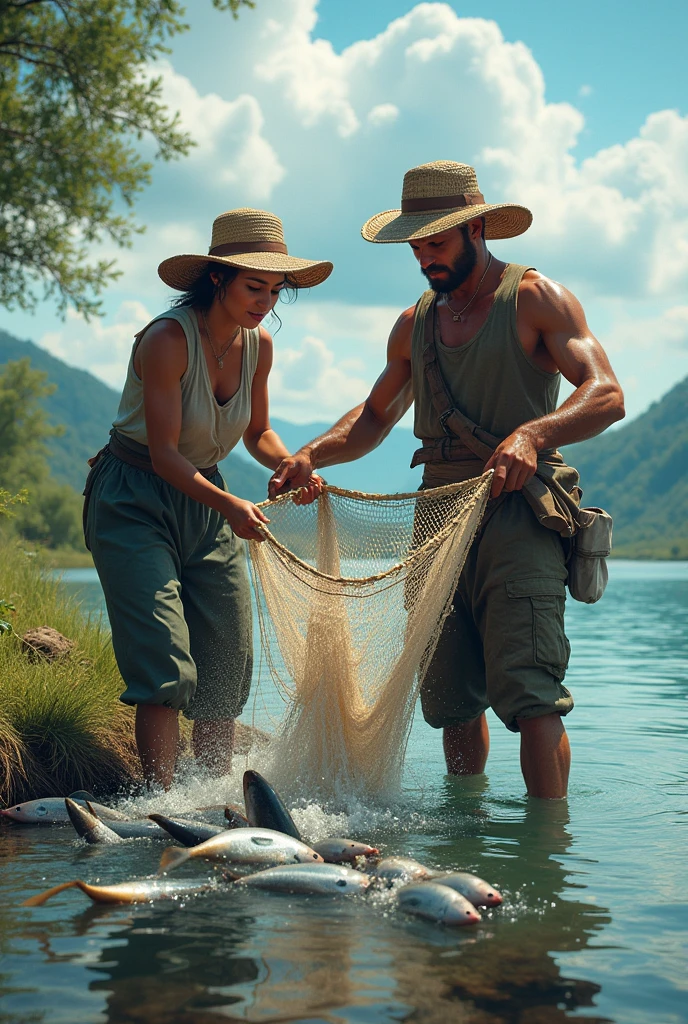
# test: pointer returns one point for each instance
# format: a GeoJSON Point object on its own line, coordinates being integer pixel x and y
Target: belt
{"type": "Point", "coordinates": [443, 449]}
{"type": "Point", "coordinates": [139, 459]}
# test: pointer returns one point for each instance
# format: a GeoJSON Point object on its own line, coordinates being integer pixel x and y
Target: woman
{"type": "Point", "coordinates": [161, 526]}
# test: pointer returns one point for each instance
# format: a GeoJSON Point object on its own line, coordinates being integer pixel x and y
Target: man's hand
{"type": "Point", "coordinates": [294, 472]}
{"type": "Point", "coordinates": [514, 462]}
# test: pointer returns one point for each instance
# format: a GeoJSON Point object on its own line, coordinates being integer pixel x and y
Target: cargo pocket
{"type": "Point", "coordinates": [546, 596]}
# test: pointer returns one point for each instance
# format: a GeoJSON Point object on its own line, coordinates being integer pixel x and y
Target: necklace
{"type": "Point", "coordinates": [457, 316]}
{"type": "Point", "coordinates": [224, 351]}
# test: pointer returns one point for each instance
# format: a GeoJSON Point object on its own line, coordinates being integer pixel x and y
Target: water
{"type": "Point", "coordinates": [594, 922]}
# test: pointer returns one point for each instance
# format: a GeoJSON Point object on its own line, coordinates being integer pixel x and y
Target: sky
{"type": "Point", "coordinates": [314, 109]}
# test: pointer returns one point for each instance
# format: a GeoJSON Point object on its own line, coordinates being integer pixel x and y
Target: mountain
{"type": "Point", "coordinates": [638, 472]}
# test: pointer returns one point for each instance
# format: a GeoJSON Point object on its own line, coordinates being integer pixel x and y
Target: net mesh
{"type": "Point", "coordinates": [352, 592]}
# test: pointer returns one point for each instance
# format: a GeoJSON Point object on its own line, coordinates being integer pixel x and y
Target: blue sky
{"type": "Point", "coordinates": [315, 108]}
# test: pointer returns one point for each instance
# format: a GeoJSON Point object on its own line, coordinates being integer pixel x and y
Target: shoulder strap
{"type": "Point", "coordinates": [452, 420]}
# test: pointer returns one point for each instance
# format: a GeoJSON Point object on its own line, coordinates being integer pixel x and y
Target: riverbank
{"type": "Point", "coordinates": [62, 726]}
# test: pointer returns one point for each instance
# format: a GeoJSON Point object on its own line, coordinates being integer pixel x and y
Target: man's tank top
{"type": "Point", "coordinates": [491, 379]}
{"type": "Point", "coordinates": [209, 430]}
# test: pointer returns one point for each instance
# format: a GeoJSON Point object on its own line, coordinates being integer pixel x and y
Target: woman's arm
{"type": "Point", "coordinates": [262, 442]}
{"type": "Point", "coordinates": [162, 358]}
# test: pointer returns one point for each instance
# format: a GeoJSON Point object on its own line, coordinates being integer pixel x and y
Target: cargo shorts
{"type": "Point", "coordinates": [177, 592]}
{"type": "Point", "coordinates": [503, 644]}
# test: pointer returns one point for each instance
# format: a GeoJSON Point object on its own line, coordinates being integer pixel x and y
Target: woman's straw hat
{"type": "Point", "coordinates": [439, 196]}
{"type": "Point", "coordinates": [248, 239]}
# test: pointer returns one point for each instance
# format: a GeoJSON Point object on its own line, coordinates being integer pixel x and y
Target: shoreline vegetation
{"type": "Point", "coordinates": [62, 727]}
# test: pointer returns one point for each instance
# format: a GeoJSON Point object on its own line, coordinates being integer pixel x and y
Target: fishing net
{"type": "Point", "coordinates": [352, 592]}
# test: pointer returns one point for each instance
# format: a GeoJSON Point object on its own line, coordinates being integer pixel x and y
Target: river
{"type": "Point", "coordinates": [594, 922]}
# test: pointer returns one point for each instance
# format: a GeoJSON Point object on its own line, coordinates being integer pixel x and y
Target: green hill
{"type": "Point", "coordinates": [639, 473]}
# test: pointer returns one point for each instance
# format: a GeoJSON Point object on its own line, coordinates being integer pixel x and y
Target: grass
{"type": "Point", "coordinates": [62, 726]}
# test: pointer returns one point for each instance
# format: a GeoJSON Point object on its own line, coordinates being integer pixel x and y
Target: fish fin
{"type": "Point", "coordinates": [172, 857]}
{"type": "Point", "coordinates": [81, 794]}
{"type": "Point", "coordinates": [40, 899]}
{"type": "Point", "coordinates": [93, 811]}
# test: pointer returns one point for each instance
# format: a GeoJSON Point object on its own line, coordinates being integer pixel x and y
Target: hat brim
{"type": "Point", "coordinates": [502, 220]}
{"type": "Point", "coordinates": [182, 272]}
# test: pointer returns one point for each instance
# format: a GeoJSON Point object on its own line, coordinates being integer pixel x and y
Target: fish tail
{"type": "Point", "coordinates": [42, 897]}
{"type": "Point", "coordinates": [172, 857]}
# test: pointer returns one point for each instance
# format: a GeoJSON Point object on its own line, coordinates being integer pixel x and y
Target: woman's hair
{"type": "Point", "coordinates": [204, 291]}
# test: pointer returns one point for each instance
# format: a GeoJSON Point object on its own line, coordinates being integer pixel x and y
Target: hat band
{"type": "Point", "coordinates": [233, 248]}
{"type": "Point", "coordinates": [442, 202]}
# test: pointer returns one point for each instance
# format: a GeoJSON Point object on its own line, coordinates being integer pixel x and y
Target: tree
{"type": "Point", "coordinates": [76, 99]}
{"type": "Point", "coordinates": [44, 511]}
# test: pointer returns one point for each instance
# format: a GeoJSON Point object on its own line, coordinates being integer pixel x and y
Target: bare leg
{"type": "Point", "coordinates": [157, 737]}
{"type": "Point", "coordinates": [545, 756]}
{"type": "Point", "coordinates": [466, 747]}
{"type": "Point", "coordinates": [213, 743]}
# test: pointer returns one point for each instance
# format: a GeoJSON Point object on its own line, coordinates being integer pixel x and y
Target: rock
{"type": "Point", "coordinates": [45, 642]}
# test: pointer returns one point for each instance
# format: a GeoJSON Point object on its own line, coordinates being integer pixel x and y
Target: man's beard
{"type": "Point", "coordinates": [459, 272]}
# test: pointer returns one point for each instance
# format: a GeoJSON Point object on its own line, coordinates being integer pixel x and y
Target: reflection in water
{"type": "Point", "coordinates": [506, 971]}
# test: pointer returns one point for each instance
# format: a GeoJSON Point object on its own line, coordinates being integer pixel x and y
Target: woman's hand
{"type": "Point", "coordinates": [244, 517]}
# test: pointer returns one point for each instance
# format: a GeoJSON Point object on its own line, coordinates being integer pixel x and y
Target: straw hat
{"type": "Point", "coordinates": [439, 196]}
{"type": "Point", "coordinates": [248, 239]}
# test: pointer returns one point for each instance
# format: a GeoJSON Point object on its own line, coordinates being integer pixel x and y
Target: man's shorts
{"type": "Point", "coordinates": [503, 644]}
{"type": "Point", "coordinates": [177, 592]}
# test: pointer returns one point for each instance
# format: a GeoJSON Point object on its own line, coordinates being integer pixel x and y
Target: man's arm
{"type": "Point", "coordinates": [556, 316]}
{"type": "Point", "coordinates": [361, 429]}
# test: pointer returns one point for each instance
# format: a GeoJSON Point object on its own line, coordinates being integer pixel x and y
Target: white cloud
{"type": "Point", "coordinates": [309, 384]}
{"type": "Point", "coordinates": [101, 348]}
{"type": "Point", "coordinates": [324, 138]}
{"type": "Point", "coordinates": [230, 145]}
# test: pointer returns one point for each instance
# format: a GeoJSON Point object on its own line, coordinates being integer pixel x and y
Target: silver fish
{"type": "Point", "coordinates": [343, 851]}
{"type": "Point", "coordinates": [437, 903]}
{"type": "Point", "coordinates": [323, 879]}
{"type": "Point", "coordinates": [184, 830]}
{"type": "Point", "coordinates": [400, 869]}
{"type": "Point", "coordinates": [144, 891]}
{"type": "Point", "coordinates": [476, 890]}
{"type": "Point", "coordinates": [243, 850]}
{"type": "Point", "coordinates": [52, 811]}
{"type": "Point", "coordinates": [89, 827]}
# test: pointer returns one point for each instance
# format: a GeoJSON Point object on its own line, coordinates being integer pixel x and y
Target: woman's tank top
{"type": "Point", "coordinates": [491, 379]}
{"type": "Point", "coordinates": [209, 430]}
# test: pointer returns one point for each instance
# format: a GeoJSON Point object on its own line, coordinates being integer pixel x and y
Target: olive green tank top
{"type": "Point", "coordinates": [209, 429]}
{"type": "Point", "coordinates": [491, 379]}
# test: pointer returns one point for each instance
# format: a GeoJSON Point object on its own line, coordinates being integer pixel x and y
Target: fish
{"type": "Point", "coordinates": [52, 811]}
{"type": "Point", "coordinates": [321, 879]}
{"type": "Point", "coordinates": [243, 850]}
{"type": "Point", "coordinates": [88, 825]}
{"type": "Point", "coordinates": [144, 891]}
{"type": "Point", "coordinates": [437, 903]}
{"type": "Point", "coordinates": [235, 817]}
{"type": "Point", "coordinates": [186, 831]}
{"type": "Point", "coordinates": [476, 890]}
{"type": "Point", "coordinates": [340, 851]}
{"type": "Point", "coordinates": [91, 828]}
{"type": "Point", "coordinates": [264, 808]}
{"type": "Point", "coordinates": [400, 869]}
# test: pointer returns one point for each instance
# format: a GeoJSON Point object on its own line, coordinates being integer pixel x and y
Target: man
{"type": "Point", "coordinates": [481, 355]}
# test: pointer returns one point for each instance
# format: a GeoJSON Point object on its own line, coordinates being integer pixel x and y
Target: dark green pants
{"type": "Point", "coordinates": [177, 592]}
{"type": "Point", "coordinates": [503, 645]}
